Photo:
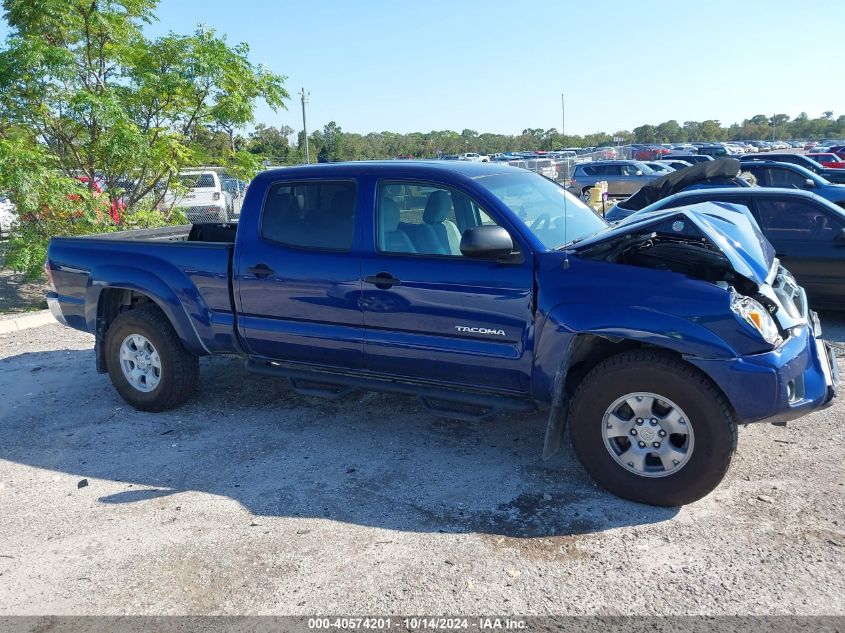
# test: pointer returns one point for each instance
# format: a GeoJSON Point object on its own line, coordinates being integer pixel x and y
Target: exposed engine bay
{"type": "Point", "coordinates": [688, 254]}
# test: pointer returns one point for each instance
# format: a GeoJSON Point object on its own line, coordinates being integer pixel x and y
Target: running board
{"type": "Point", "coordinates": [458, 405]}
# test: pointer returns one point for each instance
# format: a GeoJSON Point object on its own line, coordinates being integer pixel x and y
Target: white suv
{"type": "Point", "coordinates": [476, 158]}
{"type": "Point", "coordinates": [7, 215]}
{"type": "Point", "coordinates": [205, 200]}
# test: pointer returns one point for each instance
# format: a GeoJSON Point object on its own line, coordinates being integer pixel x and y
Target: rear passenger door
{"type": "Point", "coordinates": [298, 275]}
{"type": "Point", "coordinates": [429, 312]}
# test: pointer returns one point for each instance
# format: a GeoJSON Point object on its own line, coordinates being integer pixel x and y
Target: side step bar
{"type": "Point", "coordinates": [441, 402]}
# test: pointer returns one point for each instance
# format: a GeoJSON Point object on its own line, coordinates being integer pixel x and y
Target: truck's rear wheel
{"type": "Point", "coordinates": [652, 429]}
{"type": "Point", "coordinates": [146, 361]}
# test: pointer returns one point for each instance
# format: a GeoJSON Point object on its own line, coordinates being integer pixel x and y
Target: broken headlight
{"type": "Point", "coordinates": [753, 313]}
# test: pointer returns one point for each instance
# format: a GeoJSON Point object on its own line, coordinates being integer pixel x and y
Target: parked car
{"type": "Point", "coordinates": [674, 163]}
{"type": "Point", "coordinates": [648, 152]}
{"type": "Point", "coordinates": [623, 177]}
{"type": "Point", "coordinates": [201, 197]}
{"type": "Point", "coordinates": [606, 153]}
{"type": "Point", "coordinates": [806, 231]}
{"type": "Point", "coordinates": [832, 175]}
{"type": "Point", "coordinates": [692, 158]}
{"type": "Point", "coordinates": [810, 145]}
{"type": "Point", "coordinates": [837, 149]}
{"type": "Point", "coordinates": [681, 150]}
{"type": "Point", "coordinates": [659, 167]}
{"type": "Point", "coordinates": [707, 175]}
{"type": "Point", "coordinates": [828, 159]}
{"type": "Point", "coordinates": [715, 151]}
{"type": "Point", "coordinates": [345, 276]}
{"type": "Point", "coordinates": [775, 174]}
{"type": "Point", "coordinates": [7, 215]}
{"type": "Point", "coordinates": [474, 157]}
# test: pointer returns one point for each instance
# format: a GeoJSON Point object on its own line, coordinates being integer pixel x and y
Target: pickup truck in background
{"type": "Point", "coordinates": [479, 288]}
{"type": "Point", "coordinates": [205, 199]}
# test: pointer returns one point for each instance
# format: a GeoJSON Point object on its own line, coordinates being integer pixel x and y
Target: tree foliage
{"type": "Point", "coordinates": [114, 106]}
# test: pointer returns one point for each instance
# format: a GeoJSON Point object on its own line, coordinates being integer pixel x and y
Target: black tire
{"type": "Point", "coordinates": [710, 416]}
{"type": "Point", "coordinates": [179, 367]}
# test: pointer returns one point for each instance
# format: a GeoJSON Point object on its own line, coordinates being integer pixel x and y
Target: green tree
{"type": "Point", "coordinates": [333, 142]}
{"type": "Point", "coordinates": [670, 132]}
{"type": "Point", "coordinates": [645, 134]}
{"type": "Point", "coordinates": [114, 106]}
{"type": "Point", "coordinates": [271, 143]}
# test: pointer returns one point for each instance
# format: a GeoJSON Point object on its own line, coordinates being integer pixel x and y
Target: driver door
{"type": "Point", "coordinates": [433, 314]}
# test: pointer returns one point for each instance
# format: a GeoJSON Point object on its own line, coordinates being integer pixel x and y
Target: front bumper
{"type": "Point", "coordinates": [799, 377]}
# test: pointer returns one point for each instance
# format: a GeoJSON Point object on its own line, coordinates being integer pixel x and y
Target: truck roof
{"type": "Point", "coordinates": [398, 168]}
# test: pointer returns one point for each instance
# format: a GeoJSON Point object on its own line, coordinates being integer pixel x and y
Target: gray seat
{"type": "Point", "coordinates": [391, 238]}
{"type": "Point", "coordinates": [436, 214]}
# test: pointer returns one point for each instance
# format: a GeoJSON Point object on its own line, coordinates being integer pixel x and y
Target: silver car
{"type": "Point", "coordinates": [623, 177]}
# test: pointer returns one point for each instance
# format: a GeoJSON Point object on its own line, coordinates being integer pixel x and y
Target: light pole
{"type": "Point", "coordinates": [305, 96]}
{"type": "Point", "coordinates": [562, 119]}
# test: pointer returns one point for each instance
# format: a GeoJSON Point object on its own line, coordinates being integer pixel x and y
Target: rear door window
{"type": "Point", "coordinates": [316, 215]}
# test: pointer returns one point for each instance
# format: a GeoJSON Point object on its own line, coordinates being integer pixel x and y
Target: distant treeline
{"type": "Point", "coordinates": [285, 145]}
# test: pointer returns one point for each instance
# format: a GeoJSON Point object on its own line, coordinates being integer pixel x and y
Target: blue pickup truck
{"type": "Point", "coordinates": [479, 288]}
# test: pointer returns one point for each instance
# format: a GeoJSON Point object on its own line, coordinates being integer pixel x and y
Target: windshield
{"type": "Point", "coordinates": [553, 215]}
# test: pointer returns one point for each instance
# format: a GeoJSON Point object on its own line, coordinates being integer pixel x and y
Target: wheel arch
{"type": "Point", "coordinates": [113, 299]}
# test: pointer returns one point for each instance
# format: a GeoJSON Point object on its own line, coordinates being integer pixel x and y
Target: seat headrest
{"type": "Point", "coordinates": [390, 214]}
{"type": "Point", "coordinates": [437, 207]}
{"type": "Point", "coordinates": [284, 205]}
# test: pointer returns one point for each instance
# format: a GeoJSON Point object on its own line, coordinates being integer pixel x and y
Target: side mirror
{"type": "Point", "coordinates": [486, 242]}
{"type": "Point", "coordinates": [809, 183]}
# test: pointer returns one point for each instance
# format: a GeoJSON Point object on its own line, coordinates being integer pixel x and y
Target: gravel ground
{"type": "Point", "coordinates": [254, 500]}
{"type": "Point", "coordinates": [16, 294]}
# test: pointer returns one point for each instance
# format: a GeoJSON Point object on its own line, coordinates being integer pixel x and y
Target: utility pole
{"type": "Point", "coordinates": [305, 96]}
{"type": "Point", "coordinates": [562, 118]}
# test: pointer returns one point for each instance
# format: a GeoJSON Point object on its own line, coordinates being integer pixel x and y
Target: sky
{"type": "Point", "coordinates": [501, 66]}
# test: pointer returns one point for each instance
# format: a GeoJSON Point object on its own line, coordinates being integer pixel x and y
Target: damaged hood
{"type": "Point", "coordinates": [724, 225]}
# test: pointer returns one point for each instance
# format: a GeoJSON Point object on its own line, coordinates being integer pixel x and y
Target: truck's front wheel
{"type": "Point", "coordinates": [652, 429]}
{"type": "Point", "coordinates": [146, 361]}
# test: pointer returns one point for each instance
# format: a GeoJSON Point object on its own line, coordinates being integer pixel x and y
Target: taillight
{"type": "Point", "coordinates": [216, 195]}
{"type": "Point", "coordinates": [49, 272]}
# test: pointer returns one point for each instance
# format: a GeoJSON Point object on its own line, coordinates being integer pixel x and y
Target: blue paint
{"type": "Point", "coordinates": [315, 308]}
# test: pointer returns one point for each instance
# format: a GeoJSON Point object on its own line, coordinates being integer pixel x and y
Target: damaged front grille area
{"type": "Point", "coordinates": [790, 295]}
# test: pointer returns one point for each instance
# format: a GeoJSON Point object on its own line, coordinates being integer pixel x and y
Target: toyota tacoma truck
{"type": "Point", "coordinates": [479, 288]}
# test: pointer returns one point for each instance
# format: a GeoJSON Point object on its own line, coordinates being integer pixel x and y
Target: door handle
{"type": "Point", "coordinates": [260, 270]}
{"type": "Point", "coordinates": [382, 280]}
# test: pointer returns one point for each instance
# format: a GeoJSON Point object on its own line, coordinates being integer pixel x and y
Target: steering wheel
{"type": "Point", "coordinates": [544, 220]}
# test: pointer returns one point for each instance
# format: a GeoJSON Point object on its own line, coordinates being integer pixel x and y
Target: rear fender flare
{"type": "Point", "coordinates": [153, 287]}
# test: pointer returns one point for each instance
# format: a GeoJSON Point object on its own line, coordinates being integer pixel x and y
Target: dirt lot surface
{"type": "Point", "coordinates": [254, 500]}
{"type": "Point", "coordinates": [16, 294]}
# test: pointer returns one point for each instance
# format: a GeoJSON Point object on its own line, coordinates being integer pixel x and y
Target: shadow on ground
{"type": "Point", "coordinates": [371, 459]}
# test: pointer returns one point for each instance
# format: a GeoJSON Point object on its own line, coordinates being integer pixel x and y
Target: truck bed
{"type": "Point", "coordinates": [185, 269]}
{"type": "Point", "coordinates": [210, 233]}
